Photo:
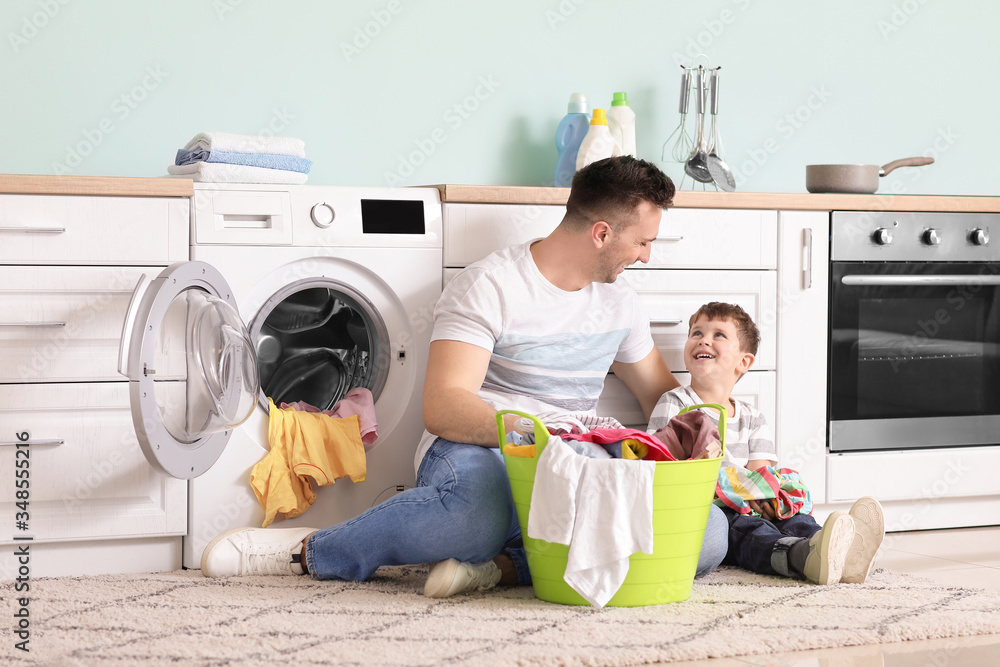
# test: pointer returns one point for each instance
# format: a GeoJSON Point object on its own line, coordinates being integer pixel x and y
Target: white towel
{"type": "Point", "coordinates": [220, 172]}
{"type": "Point", "coordinates": [601, 508]}
{"type": "Point", "coordinates": [247, 143]}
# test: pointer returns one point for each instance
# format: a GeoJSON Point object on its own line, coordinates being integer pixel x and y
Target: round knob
{"type": "Point", "coordinates": [932, 237]}
{"type": "Point", "coordinates": [322, 215]}
{"type": "Point", "coordinates": [882, 236]}
{"type": "Point", "coordinates": [979, 236]}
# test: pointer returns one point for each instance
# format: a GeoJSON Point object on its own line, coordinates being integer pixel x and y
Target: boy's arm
{"type": "Point", "coordinates": [761, 444]}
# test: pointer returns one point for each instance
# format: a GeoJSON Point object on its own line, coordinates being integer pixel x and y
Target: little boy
{"type": "Point", "coordinates": [721, 346]}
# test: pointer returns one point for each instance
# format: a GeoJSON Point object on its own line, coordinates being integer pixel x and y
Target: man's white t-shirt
{"type": "Point", "coordinates": [551, 349]}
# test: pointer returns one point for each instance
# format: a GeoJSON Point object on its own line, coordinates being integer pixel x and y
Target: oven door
{"type": "Point", "coordinates": [914, 355]}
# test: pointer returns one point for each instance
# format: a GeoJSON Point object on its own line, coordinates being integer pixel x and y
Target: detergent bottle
{"type": "Point", "coordinates": [621, 124]}
{"type": "Point", "coordinates": [598, 143]}
{"type": "Point", "coordinates": [569, 135]}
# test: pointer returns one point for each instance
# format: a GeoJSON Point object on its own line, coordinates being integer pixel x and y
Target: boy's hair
{"type": "Point", "coordinates": [746, 330]}
{"type": "Point", "coordinates": [612, 189]}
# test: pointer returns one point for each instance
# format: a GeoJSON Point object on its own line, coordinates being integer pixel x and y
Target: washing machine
{"type": "Point", "coordinates": [293, 293]}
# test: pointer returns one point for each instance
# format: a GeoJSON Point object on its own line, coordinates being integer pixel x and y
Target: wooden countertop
{"type": "Point", "coordinates": [32, 184]}
{"type": "Point", "coordinates": [493, 194]}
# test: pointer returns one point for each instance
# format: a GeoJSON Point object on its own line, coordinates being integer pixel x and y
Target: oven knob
{"type": "Point", "coordinates": [882, 236]}
{"type": "Point", "coordinates": [322, 215]}
{"type": "Point", "coordinates": [932, 237]}
{"type": "Point", "coordinates": [979, 236]}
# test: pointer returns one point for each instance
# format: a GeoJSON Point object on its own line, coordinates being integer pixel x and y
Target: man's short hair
{"type": "Point", "coordinates": [746, 330]}
{"type": "Point", "coordinates": [613, 188]}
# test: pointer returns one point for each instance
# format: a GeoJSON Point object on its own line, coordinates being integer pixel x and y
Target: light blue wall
{"type": "Point", "coordinates": [470, 92]}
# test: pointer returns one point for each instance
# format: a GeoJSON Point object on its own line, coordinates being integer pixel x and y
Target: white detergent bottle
{"type": "Point", "coordinates": [621, 124]}
{"type": "Point", "coordinates": [598, 143]}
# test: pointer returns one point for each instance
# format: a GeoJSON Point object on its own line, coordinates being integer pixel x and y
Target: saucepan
{"type": "Point", "coordinates": [854, 178]}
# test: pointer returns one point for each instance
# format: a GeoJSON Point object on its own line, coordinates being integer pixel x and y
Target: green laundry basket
{"type": "Point", "coordinates": [682, 495]}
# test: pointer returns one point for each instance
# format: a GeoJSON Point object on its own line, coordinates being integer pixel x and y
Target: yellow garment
{"type": "Point", "coordinates": [523, 451]}
{"type": "Point", "coordinates": [634, 449]}
{"type": "Point", "coordinates": [304, 445]}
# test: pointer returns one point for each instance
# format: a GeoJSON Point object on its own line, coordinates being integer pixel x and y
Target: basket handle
{"type": "Point", "coordinates": [722, 419]}
{"type": "Point", "coordinates": [541, 433]}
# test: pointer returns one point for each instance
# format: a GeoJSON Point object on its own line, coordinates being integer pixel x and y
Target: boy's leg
{"type": "Point", "coordinates": [810, 552]}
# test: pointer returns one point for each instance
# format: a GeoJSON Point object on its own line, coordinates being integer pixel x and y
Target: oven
{"type": "Point", "coordinates": [914, 331]}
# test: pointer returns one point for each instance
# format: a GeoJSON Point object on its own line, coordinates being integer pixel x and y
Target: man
{"type": "Point", "coordinates": [535, 328]}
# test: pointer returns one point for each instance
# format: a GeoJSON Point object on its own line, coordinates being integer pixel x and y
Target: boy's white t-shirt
{"type": "Point", "coordinates": [551, 349]}
{"type": "Point", "coordinates": [748, 436]}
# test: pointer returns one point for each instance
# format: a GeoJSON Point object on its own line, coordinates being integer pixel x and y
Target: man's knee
{"type": "Point", "coordinates": [716, 542]}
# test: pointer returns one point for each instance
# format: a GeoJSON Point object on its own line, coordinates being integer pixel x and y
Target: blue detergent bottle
{"type": "Point", "coordinates": [569, 134]}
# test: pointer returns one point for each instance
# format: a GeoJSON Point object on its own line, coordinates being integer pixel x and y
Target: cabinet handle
{"type": "Point", "coordinates": [666, 323]}
{"type": "Point", "coordinates": [807, 263]}
{"type": "Point", "coordinates": [34, 230]}
{"type": "Point", "coordinates": [18, 443]}
{"type": "Point", "coordinates": [32, 324]}
{"type": "Point", "coordinates": [669, 238]}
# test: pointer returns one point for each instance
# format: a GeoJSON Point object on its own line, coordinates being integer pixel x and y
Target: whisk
{"type": "Point", "coordinates": [679, 144]}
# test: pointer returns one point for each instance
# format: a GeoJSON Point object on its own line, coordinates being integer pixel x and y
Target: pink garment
{"type": "Point", "coordinates": [688, 435]}
{"type": "Point", "coordinates": [657, 451]}
{"type": "Point", "coordinates": [358, 401]}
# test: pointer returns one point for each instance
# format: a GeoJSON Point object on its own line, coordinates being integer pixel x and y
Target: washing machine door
{"type": "Point", "coordinates": [191, 367]}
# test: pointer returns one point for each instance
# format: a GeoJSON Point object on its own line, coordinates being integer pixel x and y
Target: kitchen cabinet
{"type": "Point", "coordinates": [68, 265]}
{"type": "Point", "coordinates": [800, 315]}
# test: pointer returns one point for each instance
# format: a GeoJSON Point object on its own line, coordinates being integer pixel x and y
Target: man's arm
{"type": "Point", "coordinates": [647, 379]}
{"type": "Point", "coordinates": [455, 372]}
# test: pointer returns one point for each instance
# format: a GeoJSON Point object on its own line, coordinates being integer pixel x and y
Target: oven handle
{"type": "Point", "coordinates": [921, 280]}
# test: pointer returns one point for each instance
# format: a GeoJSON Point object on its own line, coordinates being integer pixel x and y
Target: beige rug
{"type": "Point", "coordinates": [181, 618]}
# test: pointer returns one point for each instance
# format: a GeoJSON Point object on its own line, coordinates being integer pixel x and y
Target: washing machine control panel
{"type": "Point", "coordinates": [322, 215]}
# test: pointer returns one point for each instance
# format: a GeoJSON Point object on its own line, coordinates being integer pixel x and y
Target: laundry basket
{"type": "Point", "coordinates": [682, 495]}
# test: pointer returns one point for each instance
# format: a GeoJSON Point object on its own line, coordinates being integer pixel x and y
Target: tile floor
{"type": "Point", "coordinates": [964, 557]}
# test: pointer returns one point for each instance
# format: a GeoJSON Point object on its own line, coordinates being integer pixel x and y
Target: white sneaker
{"type": "Point", "coordinates": [450, 577]}
{"type": "Point", "coordinates": [828, 549]}
{"type": "Point", "coordinates": [255, 551]}
{"type": "Point", "coordinates": [869, 530]}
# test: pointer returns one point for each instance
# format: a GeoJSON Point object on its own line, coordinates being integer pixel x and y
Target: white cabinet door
{"type": "Point", "coordinates": [671, 297]}
{"type": "Point", "coordinates": [716, 238]}
{"type": "Point", "coordinates": [800, 429]}
{"type": "Point", "coordinates": [63, 324]}
{"type": "Point", "coordinates": [88, 479]}
{"type": "Point", "coordinates": [473, 231]}
{"type": "Point", "coordinates": [48, 229]}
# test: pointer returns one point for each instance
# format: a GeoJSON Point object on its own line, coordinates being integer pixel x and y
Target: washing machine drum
{"type": "Point", "coordinates": [316, 343]}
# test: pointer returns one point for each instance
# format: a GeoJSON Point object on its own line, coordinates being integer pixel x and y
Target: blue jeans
{"type": "Point", "coordinates": [752, 540]}
{"type": "Point", "coordinates": [461, 508]}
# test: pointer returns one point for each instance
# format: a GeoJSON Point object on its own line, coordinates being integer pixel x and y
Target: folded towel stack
{"type": "Point", "coordinates": [220, 157]}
